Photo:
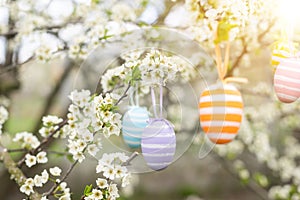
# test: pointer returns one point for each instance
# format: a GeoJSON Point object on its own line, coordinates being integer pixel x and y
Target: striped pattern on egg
{"type": "Point", "coordinates": [221, 110]}
{"type": "Point", "coordinates": [133, 123]}
{"type": "Point", "coordinates": [287, 80]}
{"type": "Point", "coordinates": [158, 144]}
{"type": "Point", "coordinates": [278, 56]}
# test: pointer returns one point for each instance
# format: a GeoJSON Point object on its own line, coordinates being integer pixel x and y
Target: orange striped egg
{"type": "Point", "coordinates": [221, 110]}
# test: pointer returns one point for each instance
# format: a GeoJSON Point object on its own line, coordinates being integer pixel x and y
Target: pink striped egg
{"type": "Point", "coordinates": [287, 80]}
{"type": "Point", "coordinates": [158, 144]}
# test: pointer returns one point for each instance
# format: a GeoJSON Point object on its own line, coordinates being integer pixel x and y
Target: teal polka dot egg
{"type": "Point", "coordinates": [133, 124]}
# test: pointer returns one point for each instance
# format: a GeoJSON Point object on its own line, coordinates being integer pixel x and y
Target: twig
{"type": "Point", "coordinates": [44, 142]}
{"type": "Point", "coordinates": [8, 68]}
{"type": "Point", "coordinates": [111, 90]}
{"type": "Point", "coordinates": [133, 156]}
{"type": "Point", "coordinates": [12, 34]}
{"type": "Point", "coordinates": [53, 188]}
{"type": "Point", "coordinates": [261, 193]}
{"type": "Point", "coordinates": [262, 35]}
{"type": "Point", "coordinates": [244, 50]}
{"type": "Point", "coordinates": [58, 153]}
{"type": "Point", "coordinates": [50, 99]}
{"type": "Point", "coordinates": [15, 172]}
{"type": "Point", "coordinates": [16, 150]}
{"type": "Point", "coordinates": [124, 95]}
{"type": "Point", "coordinates": [238, 60]}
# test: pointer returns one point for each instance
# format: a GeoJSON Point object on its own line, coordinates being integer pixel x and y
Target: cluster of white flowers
{"type": "Point", "coordinates": [27, 140]}
{"type": "Point", "coordinates": [104, 191]}
{"type": "Point", "coordinates": [247, 22]}
{"type": "Point", "coordinates": [245, 15]}
{"type": "Point", "coordinates": [50, 124]}
{"type": "Point", "coordinates": [40, 180]}
{"type": "Point", "coordinates": [101, 22]}
{"type": "Point", "coordinates": [111, 166]}
{"type": "Point", "coordinates": [284, 192]}
{"type": "Point", "coordinates": [88, 115]}
{"type": "Point", "coordinates": [45, 53]}
{"type": "Point", "coordinates": [152, 67]}
{"type": "Point", "coordinates": [3, 117]}
{"type": "Point", "coordinates": [37, 181]}
{"type": "Point", "coordinates": [157, 68]}
{"type": "Point", "coordinates": [32, 160]}
{"type": "Point", "coordinates": [101, 26]}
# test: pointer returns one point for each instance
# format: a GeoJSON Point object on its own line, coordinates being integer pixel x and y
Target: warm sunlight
{"type": "Point", "coordinates": [290, 10]}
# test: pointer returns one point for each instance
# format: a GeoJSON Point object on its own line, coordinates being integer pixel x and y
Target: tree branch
{"type": "Point", "coordinates": [44, 142]}
{"type": "Point", "coordinates": [123, 96]}
{"type": "Point", "coordinates": [69, 64]}
{"type": "Point", "coordinates": [131, 158]}
{"type": "Point", "coordinates": [13, 33]}
{"type": "Point", "coordinates": [238, 60]}
{"type": "Point", "coordinates": [53, 188]}
{"type": "Point", "coordinates": [245, 46]}
{"type": "Point", "coordinates": [261, 193]}
{"type": "Point", "coordinates": [15, 172]}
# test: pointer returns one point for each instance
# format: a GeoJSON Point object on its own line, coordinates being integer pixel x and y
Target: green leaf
{"type": "Point", "coordinates": [70, 158]}
{"type": "Point", "coordinates": [88, 190]}
{"type": "Point", "coordinates": [95, 1]}
{"type": "Point", "coordinates": [93, 97]}
{"type": "Point", "coordinates": [223, 31]}
{"type": "Point", "coordinates": [261, 179]}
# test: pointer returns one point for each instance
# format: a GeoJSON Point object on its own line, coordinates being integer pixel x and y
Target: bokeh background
{"type": "Point", "coordinates": [37, 88]}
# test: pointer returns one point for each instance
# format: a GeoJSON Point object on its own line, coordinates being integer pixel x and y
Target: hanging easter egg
{"type": "Point", "coordinates": [133, 123]}
{"type": "Point", "coordinates": [221, 110]}
{"type": "Point", "coordinates": [287, 80]}
{"type": "Point", "coordinates": [158, 144]}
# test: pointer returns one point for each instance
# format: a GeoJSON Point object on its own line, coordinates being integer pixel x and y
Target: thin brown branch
{"type": "Point", "coordinates": [44, 142]}
{"type": "Point", "coordinates": [131, 158]}
{"type": "Point", "coordinates": [15, 172]}
{"type": "Point", "coordinates": [13, 33]}
{"type": "Point", "coordinates": [16, 150]}
{"type": "Point", "coordinates": [58, 153]}
{"type": "Point", "coordinates": [124, 95]}
{"type": "Point", "coordinates": [238, 60]}
{"type": "Point", "coordinates": [245, 46]}
{"type": "Point", "coordinates": [53, 188]}
{"type": "Point", "coordinates": [69, 64]}
{"type": "Point", "coordinates": [8, 68]}
{"type": "Point", "coordinates": [262, 35]}
{"type": "Point", "coordinates": [252, 186]}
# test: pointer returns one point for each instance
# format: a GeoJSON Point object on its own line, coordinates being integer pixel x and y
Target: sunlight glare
{"type": "Point", "coordinates": [290, 10]}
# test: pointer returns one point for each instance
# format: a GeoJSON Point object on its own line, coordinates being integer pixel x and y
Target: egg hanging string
{"type": "Point", "coordinates": [222, 67]}
{"type": "Point", "coordinates": [134, 95]}
{"type": "Point", "coordinates": [160, 101]}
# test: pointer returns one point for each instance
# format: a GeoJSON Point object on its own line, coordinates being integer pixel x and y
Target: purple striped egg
{"type": "Point", "coordinates": [158, 143]}
{"type": "Point", "coordinates": [287, 80]}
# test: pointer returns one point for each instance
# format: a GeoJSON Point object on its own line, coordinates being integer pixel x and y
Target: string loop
{"type": "Point", "coordinates": [160, 101]}
{"type": "Point", "coordinates": [134, 95]}
{"type": "Point", "coordinates": [222, 66]}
